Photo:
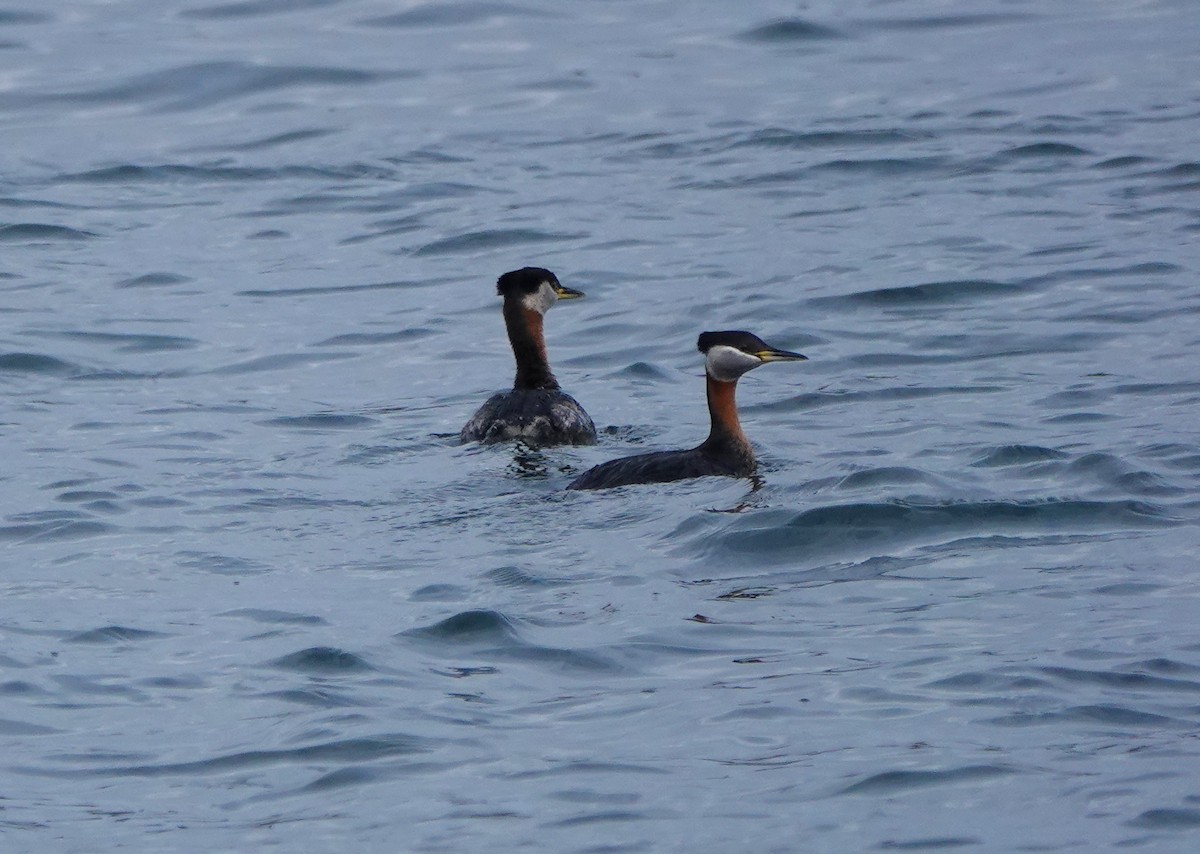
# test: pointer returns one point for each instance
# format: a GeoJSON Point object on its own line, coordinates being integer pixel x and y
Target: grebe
{"type": "Point", "coordinates": [536, 410]}
{"type": "Point", "coordinates": [726, 451]}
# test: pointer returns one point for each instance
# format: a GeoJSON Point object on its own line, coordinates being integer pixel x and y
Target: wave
{"type": "Point", "coordinates": [854, 531]}
{"type": "Point", "coordinates": [790, 31]}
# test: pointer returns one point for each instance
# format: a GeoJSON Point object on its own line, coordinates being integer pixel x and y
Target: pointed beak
{"type": "Point", "coordinates": [563, 292]}
{"type": "Point", "coordinates": [771, 354]}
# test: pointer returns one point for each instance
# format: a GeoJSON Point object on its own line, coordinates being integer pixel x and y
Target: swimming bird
{"type": "Point", "coordinates": [537, 410]}
{"type": "Point", "coordinates": [726, 451]}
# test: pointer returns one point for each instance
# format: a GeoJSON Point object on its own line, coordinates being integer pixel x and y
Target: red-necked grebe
{"type": "Point", "coordinates": [536, 411]}
{"type": "Point", "coordinates": [726, 451]}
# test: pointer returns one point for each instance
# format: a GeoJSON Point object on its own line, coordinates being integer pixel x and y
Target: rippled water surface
{"type": "Point", "coordinates": [256, 596]}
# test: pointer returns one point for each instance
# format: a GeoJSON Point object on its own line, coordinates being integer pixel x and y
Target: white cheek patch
{"type": "Point", "coordinates": [541, 299]}
{"type": "Point", "coordinates": [727, 363]}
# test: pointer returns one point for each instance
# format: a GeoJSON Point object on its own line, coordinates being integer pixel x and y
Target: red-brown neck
{"type": "Point", "coordinates": [529, 347]}
{"type": "Point", "coordinates": [726, 433]}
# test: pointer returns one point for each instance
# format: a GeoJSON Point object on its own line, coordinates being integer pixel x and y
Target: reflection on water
{"type": "Point", "coordinates": [258, 594]}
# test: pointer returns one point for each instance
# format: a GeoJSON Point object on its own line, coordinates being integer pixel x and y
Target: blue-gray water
{"type": "Point", "coordinates": [255, 597]}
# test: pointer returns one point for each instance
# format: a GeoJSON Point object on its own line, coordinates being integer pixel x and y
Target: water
{"type": "Point", "coordinates": [256, 597]}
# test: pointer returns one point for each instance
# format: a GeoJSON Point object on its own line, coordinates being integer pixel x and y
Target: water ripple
{"type": "Point", "coordinates": [789, 31]}
{"type": "Point", "coordinates": [1121, 680]}
{"type": "Point", "coordinates": [55, 530]}
{"type": "Point", "coordinates": [114, 634]}
{"type": "Point", "coordinates": [1044, 149]}
{"type": "Point", "coordinates": [35, 363]}
{"type": "Point", "coordinates": [839, 531]}
{"type": "Point", "coordinates": [324, 660]}
{"type": "Point", "coordinates": [11, 17]}
{"type": "Point", "coordinates": [279, 362]}
{"type": "Point", "coordinates": [468, 626]}
{"type": "Point", "coordinates": [154, 280]}
{"type": "Point", "coordinates": [1106, 714]}
{"type": "Point", "coordinates": [925, 293]}
{"type": "Point", "coordinates": [461, 13]}
{"type": "Point", "coordinates": [126, 174]}
{"type": "Point", "coordinates": [491, 635]}
{"type": "Point", "coordinates": [323, 421]}
{"type": "Point", "coordinates": [341, 750]}
{"type": "Point", "coordinates": [254, 8]}
{"type": "Point", "coordinates": [772, 138]}
{"type": "Point", "coordinates": [38, 232]}
{"type": "Point", "coordinates": [200, 85]}
{"type": "Point", "coordinates": [131, 342]}
{"type": "Point", "coordinates": [324, 290]}
{"type": "Point", "coordinates": [1014, 455]}
{"type": "Point", "coordinates": [483, 241]}
{"type": "Point", "coordinates": [944, 22]}
{"type": "Point", "coordinates": [287, 618]}
{"type": "Point", "coordinates": [1167, 819]}
{"type": "Point", "coordinates": [893, 782]}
